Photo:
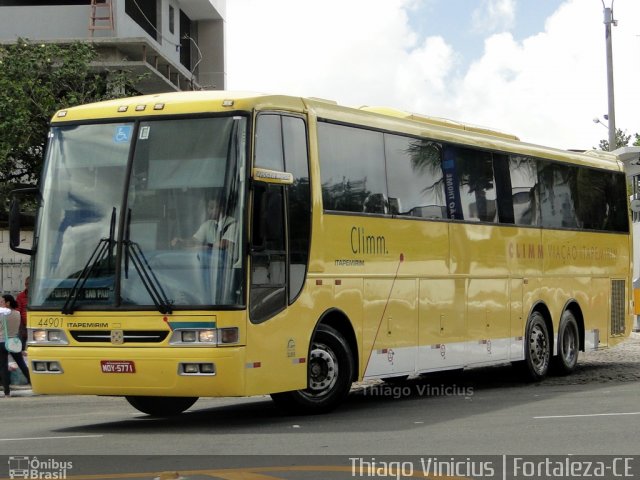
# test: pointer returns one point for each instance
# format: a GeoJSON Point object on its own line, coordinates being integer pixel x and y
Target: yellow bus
{"type": "Point", "coordinates": [205, 244]}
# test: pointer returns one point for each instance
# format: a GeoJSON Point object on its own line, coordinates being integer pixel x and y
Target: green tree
{"type": "Point", "coordinates": [622, 140]}
{"type": "Point", "coordinates": [36, 80]}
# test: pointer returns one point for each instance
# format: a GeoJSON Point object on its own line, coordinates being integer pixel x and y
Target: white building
{"type": "Point", "coordinates": [180, 43]}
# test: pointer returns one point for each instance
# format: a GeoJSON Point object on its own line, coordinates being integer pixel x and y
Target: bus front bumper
{"type": "Point", "coordinates": [174, 372]}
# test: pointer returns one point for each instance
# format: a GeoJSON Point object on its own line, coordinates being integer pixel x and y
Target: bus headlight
{"type": "Point", "coordinates": [189, 336]}
{"type": "Point", "coordinates": [205, 336]}
{"type": "Point", "coordinates": [45, 336]}
{"type": "Point", "coordinates": [228, 335]}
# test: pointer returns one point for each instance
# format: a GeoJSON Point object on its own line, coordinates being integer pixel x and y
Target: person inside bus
{"type": "Point", "coordinates": [217, 231]}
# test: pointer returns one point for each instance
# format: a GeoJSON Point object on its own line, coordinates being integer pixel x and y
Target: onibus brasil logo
{"type": "Point", "coordinates": [35, 468]}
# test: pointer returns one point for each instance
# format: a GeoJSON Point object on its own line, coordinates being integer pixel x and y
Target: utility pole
{"type": "Point", "coordinates": [608, 22]}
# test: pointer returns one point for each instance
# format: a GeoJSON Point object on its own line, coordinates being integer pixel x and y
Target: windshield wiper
{"type": "Point", "coordinates": [133, 253]}
{"type": "Point", "coordinates": [103, 250]}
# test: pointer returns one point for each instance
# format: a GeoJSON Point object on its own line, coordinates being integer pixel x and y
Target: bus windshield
{"type": "Point", "coordinates": [142, 214]}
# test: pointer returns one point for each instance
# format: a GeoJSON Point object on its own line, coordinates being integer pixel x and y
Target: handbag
{"type": "Point", "coordinates": [12, 344]}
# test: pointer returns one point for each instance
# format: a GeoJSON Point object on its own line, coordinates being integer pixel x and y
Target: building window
{"type": "Point", "coordinates": [171, 19]}
{"type": "Point", "coordinates": [186, 35]}
{"type": "Point", "coordinates": [144, 13]}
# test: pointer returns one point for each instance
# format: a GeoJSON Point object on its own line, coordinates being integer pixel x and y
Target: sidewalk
{"type": "Point", "coordinates": [20, 391]}
{"type": "Point", "coordinates": [618, 364]}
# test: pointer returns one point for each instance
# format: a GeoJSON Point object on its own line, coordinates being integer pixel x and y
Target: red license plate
{"type": "Point", "coordinates": [117, 366]}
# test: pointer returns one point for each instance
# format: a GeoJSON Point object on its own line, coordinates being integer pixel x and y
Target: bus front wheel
{"type": "Point", "coordinates": [330, 373]}
{"type": "Point", "coordinates": [537, 347]}
{"type": "Point", "coordinates": [161, 406]}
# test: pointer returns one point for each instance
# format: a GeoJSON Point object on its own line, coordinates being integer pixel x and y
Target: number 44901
{"type": "Point", "coordinates": [55, 322]}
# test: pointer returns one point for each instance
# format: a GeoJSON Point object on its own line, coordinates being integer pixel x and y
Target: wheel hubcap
{"type": "Point", "coordinates": [538, 349]}
{"type": "Point", "coordinates": [323, 369]}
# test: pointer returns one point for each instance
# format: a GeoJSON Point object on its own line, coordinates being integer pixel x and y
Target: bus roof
{"type": "Point", "coordinates": [442, 122]}
{"type": "Point", "coordinates": [383, 118]}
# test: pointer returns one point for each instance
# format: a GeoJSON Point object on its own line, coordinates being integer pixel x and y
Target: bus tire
{"type": "Point", "coordinates": [568, 345]}
{"type": "Point", "coordinates": [330, 373]}
{"type": "Point", "coordinates": [537, 353]}
{"type": "Point", "coordinates": [161, 406]}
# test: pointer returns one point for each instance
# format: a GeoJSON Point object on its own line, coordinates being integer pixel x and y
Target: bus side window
{"type": "Point", "coordinates": [505, 198]}
{"type": "Point", "coordinates": [269, 152]}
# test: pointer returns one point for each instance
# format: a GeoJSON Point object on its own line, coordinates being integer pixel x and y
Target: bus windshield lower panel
{"type": "Point", "coordinates": [162, 231]}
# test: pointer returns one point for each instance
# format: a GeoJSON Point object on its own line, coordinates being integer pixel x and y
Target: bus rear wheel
{"type": "Point", "coordinates": [161, 406]}
{"type": "Point", "coordinates": [537, 347]}
{"type": "Point", "coordinates": [330, 373]}
{"type": "Point", "coordinates": [568, 345]}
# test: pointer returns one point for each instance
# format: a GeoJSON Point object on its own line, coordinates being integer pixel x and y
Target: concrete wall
{"type": "Point", "coordinates": [212, 70]}
{"type": "Point", "coordinates": [14, 267]}
{"type": "Point", "coordinates": [44, 23]}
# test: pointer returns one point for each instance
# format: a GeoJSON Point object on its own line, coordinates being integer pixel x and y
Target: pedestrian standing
{"type": "Point", "coordinates": [11, 323]}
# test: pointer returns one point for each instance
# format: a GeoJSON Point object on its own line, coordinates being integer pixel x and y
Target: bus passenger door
{"type": "Point", "coordinates": [277, 336]}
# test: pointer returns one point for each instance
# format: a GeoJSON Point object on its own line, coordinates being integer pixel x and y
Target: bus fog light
{"type": "Point", "coordinates": [190, 368]}
{"type": "Point", "coordinates": [207, 368]}
{"type": "Point", "coordinates": [53, 367]}
{"type": "Point", "coordinates": [196, 369]}
{"type": "Point", "coordinates": [39, 366]}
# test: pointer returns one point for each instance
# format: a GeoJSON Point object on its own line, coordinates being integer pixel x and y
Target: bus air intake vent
{"type": "Point", "coordinates": [617, 307]}
{"type": "Point", "coordinates": [129, 336]}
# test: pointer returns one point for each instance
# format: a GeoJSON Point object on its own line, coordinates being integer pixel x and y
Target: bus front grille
{"type": "Point", "coordinates": [617, 307]}
{"type": "Point", "coordinates": [128, 336]}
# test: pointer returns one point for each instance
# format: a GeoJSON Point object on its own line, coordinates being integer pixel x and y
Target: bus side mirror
{"type": "Point", "coordinates": [15, 220]}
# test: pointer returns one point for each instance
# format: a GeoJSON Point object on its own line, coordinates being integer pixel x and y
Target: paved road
{"type": "Point", "coordinates": [486, 411]}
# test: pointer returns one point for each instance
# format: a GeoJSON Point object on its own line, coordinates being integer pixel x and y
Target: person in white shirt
{"type": "Point", "coordinates": [9, 321]}
{"type": "Point", "coordinates": [217, 232]}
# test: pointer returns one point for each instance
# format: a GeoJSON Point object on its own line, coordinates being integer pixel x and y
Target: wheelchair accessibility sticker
{"type": "Point", "coordinates": [122, 133]}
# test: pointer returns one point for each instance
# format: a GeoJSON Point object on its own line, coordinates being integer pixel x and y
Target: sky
{"type": "Point", "coordinates": [533, 68]}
